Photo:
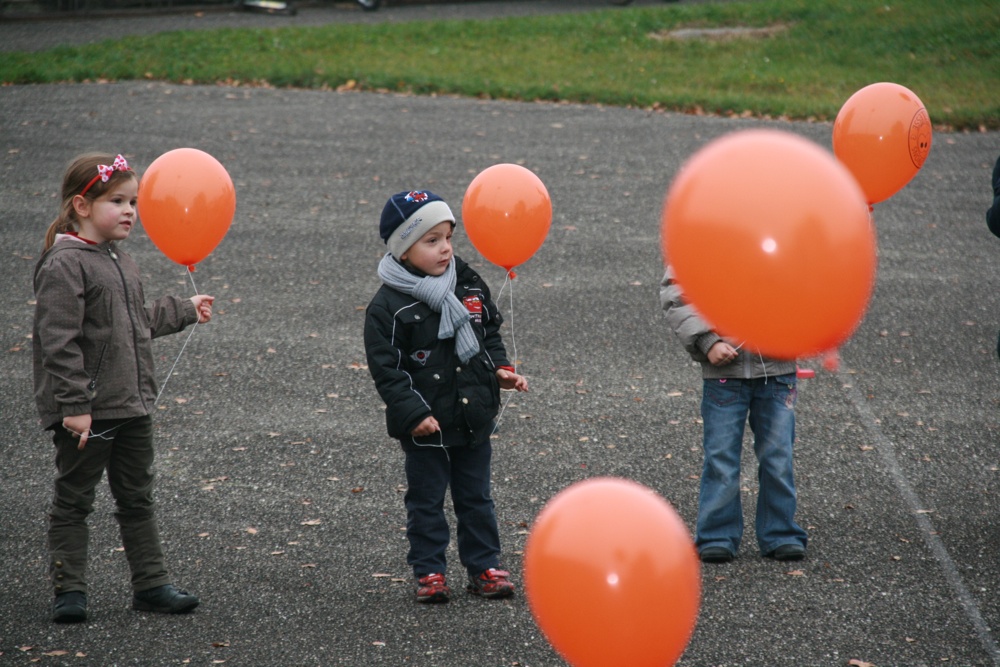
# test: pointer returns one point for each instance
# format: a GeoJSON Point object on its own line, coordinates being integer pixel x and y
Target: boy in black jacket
{"type": "Point", "coordinates": [993, 212]}
{"type": "Point", "coordinates": [432, 338]}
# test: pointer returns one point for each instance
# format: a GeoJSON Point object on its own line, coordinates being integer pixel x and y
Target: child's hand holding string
{"type": "Point", "coordinates": [203, 304]}
{"type": "Point", "coordinates": [722, 353]}
{"type": "Point", "coordinates": [428, 426]}
{"type": "Point", "coordinates": [511, 380]}
{"type": "Point", "coordinates": [79, 427]}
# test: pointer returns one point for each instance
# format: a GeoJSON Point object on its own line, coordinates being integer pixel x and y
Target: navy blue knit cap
{"type": "Point", "coordinates": [409, 215]}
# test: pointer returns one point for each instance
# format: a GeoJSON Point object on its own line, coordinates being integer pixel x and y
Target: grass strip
{"type": "Point", "coordinates": [798, 59]}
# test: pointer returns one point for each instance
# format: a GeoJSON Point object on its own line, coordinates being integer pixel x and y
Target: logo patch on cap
{"type": "Point", "coordinates": [416, 195]}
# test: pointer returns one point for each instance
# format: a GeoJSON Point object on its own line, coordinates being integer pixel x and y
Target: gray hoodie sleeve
{"type": "Point", "coordinates": [695, 334]}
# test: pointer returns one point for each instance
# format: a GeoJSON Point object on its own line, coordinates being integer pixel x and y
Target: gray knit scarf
{"type": "Point", "coordinates": [438, 292]}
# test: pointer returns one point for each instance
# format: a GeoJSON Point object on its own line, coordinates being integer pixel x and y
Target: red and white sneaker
{"type": "Point", "coordinates": [432, 588]}
{"type": "Point", "coordinates": [491, 583]}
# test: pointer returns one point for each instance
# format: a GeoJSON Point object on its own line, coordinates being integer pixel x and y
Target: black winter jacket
{"type": "Point", "coordinates": [993, 212]}
{"type": "Point", "coordinates": [418, 375]}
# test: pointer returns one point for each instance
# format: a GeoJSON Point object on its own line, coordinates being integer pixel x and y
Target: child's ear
{"type": "Point", "coordinates": [81, 206]}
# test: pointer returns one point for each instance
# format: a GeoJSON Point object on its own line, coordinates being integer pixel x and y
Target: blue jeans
{"type": "Point", "coordinates": [725, 407]}
{"type": "Point", "coordinates": [429, 473]}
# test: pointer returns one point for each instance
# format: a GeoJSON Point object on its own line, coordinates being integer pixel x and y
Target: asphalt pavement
{"type": "Point", "coordinates": [280, 496]}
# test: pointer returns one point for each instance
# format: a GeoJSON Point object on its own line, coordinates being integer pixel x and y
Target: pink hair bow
{"type": "Point", "coordinates": [104, 172]}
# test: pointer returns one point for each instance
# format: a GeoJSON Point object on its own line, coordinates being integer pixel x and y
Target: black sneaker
{"type": "Point", "coordinates": [788, 552]}
{"type": "Point", "coordinates": [716, 555]}
{"type": "Point", "coordinates": [70, 607]}
{"type": "Point", "coordinates": [164, 599]}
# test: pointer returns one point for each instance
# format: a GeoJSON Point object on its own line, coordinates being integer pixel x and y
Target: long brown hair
{"type": "Point", "coordinates": [79, 173]}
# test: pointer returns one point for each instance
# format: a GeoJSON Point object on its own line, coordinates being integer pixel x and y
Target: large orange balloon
{"type": "Point", "coordinates": [186, 204]}
{"type": "Point", "coordinates": [883, 135]}
{"type": "Point", "coordinates": [506, 213]}
{"type": "Point", "coordinates": [612, 576]}
{"type": "Point", "coordinates": [770, 239]}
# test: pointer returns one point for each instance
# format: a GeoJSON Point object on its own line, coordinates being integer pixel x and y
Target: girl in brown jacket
{"type": "Point", "coordinates": [94, 384]}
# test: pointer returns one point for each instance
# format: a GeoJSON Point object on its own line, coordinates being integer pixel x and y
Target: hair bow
{"type": "Point", "coordinates": [104, 172]}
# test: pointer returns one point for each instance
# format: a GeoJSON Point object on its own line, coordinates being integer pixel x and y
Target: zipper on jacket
{"type": "Point", "coordinates": [97, 373]}
{"type": "Point", "coordinates": [135, 343]}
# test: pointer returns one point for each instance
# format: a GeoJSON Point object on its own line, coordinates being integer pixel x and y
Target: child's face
{"type": "Point", "coordinates": [432, 253]}
{"type": "Point", "coordinates": [111, 216]}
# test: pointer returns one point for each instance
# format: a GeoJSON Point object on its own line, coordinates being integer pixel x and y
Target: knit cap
{"type": "Point", "coordinates": [409, 215]}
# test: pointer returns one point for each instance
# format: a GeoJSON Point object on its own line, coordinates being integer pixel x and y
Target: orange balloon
{"type": "Point", "coordinates": [770, 239]}
{"type": "Point", "coordinates": [883, 135]}
{"type": "Point", "coordinates": [186, 203]}
{"type": "Point", "coordinates": [612, 576]}
{"type": "Point", "coordinates": [507, 212]}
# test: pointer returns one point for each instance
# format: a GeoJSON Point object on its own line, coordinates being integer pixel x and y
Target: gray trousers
{"type": "Point", "coordinates": [126, 452]}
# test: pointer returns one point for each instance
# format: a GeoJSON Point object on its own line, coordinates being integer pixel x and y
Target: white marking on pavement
{"type": "Point", "coordinates": [933, 541]}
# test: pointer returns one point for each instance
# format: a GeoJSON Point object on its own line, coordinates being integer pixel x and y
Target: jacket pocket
{"type": "Point", "coordinates": [786, 390]}
{"type": "Point", "coordinates": [478, 392]}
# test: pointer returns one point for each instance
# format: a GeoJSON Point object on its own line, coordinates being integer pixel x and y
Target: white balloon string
{"type": "Point", "coordinates": [187, 340]}
{"type": "Point", "coordinates": [503, 287]}
{"type": "Point", "coordinates": [513, 346]}
{"type": "Point", "coordinates": [169, 374]}
{"type": "Point", "coordinates": [513, 338]}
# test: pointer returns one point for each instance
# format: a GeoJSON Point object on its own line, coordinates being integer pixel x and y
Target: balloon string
{"type": "Point", "coordinates": [187, 340]}
{"type": "Point", "coordinates": [759, 355]}
{"type": "Point", "coordinates": [169, 374]}
{"type": "Point", "coordinates": [513, 338]}
{"type": "Point", "coordinates": [503, 287]}
{"type": "Point", "coordinates": [513, 344]}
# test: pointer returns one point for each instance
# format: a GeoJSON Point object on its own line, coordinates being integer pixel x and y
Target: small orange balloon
{"type": "Point", "coordinates": [770, 239]}
{"type": "Point", "coordinates": [883, 134]}
{"type": "Point", "coordinates": [186, 203]}
{"type": "Point", "coordinates": [506, 213]}
{"type": "Point", "coordinates": [612, 576]}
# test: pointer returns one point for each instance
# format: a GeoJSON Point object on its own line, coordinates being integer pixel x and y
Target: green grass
{"type": "Point", "coordinates": [947, 52]}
